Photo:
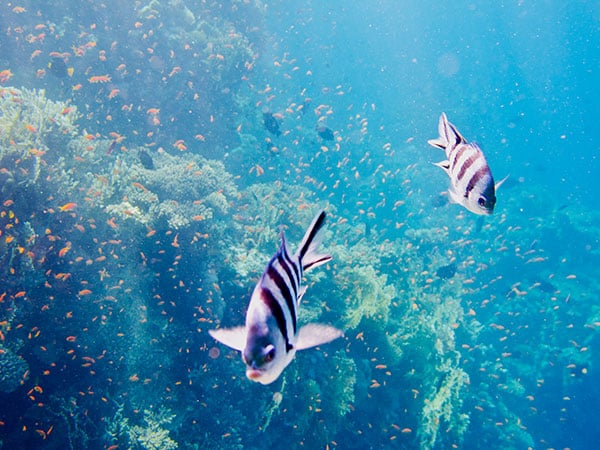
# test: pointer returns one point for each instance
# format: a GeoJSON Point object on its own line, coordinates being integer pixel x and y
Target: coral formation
{"type": "Point", "coordinates": [14, 370]}
{"type": "Point", "coordinates": [30, 126]}
{"type": "Point", "coordinates": [367, 293]}
{"type": "Point", "coordinates": [181, 191]}
{"type": "Point", "coordinates": [442, 407]}
{"type": "Point", "coordinates": [154, 435]}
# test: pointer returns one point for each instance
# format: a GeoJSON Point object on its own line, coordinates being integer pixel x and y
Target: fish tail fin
{"type": "Point", "coordinates": [308, 251]}
{"type": "Point", "coordinates": [449, 135]}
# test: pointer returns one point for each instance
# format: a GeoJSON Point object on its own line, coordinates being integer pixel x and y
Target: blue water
{"type": "Point", "coordinates": [142, 195]}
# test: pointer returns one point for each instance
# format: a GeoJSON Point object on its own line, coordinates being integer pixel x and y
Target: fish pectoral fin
{"type": "Point", "coordinates": [315, 334]}
{"type": "Point", "coordinates": [444, 165]}
{"type": "Point", "coordinates": [453, 197]}
{"type": "Point", "coordinates": [501, 182]}
{"type": "Point", "coordinates": [234, 338]}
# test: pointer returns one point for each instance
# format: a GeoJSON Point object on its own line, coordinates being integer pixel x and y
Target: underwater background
{"type": "Point", "coordinates": [152, 151]}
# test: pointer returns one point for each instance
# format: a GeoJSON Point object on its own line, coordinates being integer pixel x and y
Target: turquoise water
{"type": "Point", "coordinates": [142, 195]}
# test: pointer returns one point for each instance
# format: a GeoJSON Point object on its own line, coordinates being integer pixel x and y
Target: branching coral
{"type": "Point", "coordinates": [154, 435]}
{"type": "Point", "coordinates": [180, 190]}
{"type": "Point", "coordinates": [30, 126]}
{"type": "Point", "coordinates": [367, 293]}
{"type": "Point", "coordinates": [443, 407]}
{"type": "Point", "coordinates": [263, 211]}
{"type": "Point", "coordinates": [342, 397]}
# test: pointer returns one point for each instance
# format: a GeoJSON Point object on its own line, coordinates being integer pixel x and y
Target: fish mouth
{"type": "Point", "coordinates": [253, 374]}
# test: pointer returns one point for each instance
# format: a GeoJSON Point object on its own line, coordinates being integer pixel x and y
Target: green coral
{"type": "Point", "coordinates": [343, 395]}
{"type": "Point", "coordinates": [443, 406]}
{"type": "Point", "coordinates": [263, 211]}
{"type": "Point", "coordinates": [154, 435]}
{"type": "Point", "coordinates": [367, 293]}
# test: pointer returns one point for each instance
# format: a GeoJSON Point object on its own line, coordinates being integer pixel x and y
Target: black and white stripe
{"type": "Point", "coordinates": [280, 284]}
{"type": "Point", "coordinates": [470, 176]}
{"type": "Point", "coordinates": [270, 338]}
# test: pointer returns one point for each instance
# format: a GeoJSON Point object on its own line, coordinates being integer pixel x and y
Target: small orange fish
{"type": "Point", "coordinates": [5, 75]}
{"type": "Point", "coordinates": [140, 186]}
{"type": "Point", "coordinates": [99, 79]}
{"type": "Point", "coordinates": [84, 292]}
{"type": "Point", "coordinates": [111, 223]}
{"type": "Point", "coordinates": [68, 207]}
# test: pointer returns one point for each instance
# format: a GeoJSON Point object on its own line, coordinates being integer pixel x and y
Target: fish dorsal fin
{"type": "Point", "coordinates": [449, 135]}
{"type": "Point", "coordinates": [315, 334]}
{"type": "Point", "coordinates": [449, 132]}
{"type": "Point", "coordinates": [308, 251]}
{"type": "Point", "coordinates": [234, 338]}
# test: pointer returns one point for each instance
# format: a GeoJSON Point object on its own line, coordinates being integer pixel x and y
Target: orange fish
{"type": "Point", "coordinates": [5, 75]}
{"type": "Point", "coordinates": [111, 223]}
{"type": "Point", "coordinates": [99, 79]}
{"type": "Point", "coordinates": [68, 207]}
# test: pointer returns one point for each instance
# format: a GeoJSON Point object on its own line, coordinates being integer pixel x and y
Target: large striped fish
{"type": "Point", "coordinates": [270, 338]}
{"type": "Point", "coordinates": [472, 183]}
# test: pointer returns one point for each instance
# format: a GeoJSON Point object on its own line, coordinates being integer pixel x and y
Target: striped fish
{"type": "Point", "coordinates": [270, 338]}
{"type": "Point", "coordinates": [472, 183]}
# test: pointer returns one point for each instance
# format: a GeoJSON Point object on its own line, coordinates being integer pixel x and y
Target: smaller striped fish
{"type": "Point", "coordinates": [270, 338]}
{"type": "Point", "coordinates": [472, 183]}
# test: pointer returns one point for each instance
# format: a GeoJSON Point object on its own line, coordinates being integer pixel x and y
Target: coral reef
{"type": "Point", "coordinates": [154, 434]}
{"type": "Point", "coordinates": [442, 408]}
{"type": "Point", "coordinates": [14, 370]}
{"type": "Point", "coordinates": [121, 246]}
{"type": "Point", "coordinates": [368, 294]}
{"type": "Point", "coordinates": [181, 191]}
{"type": "Point", "coordinates": [30, 126]}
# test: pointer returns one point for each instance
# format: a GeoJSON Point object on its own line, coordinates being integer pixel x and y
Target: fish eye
{"type": "Point", "coordinates": [269, 353]}
{"type": "Point", "coordinates": [481, 201]}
